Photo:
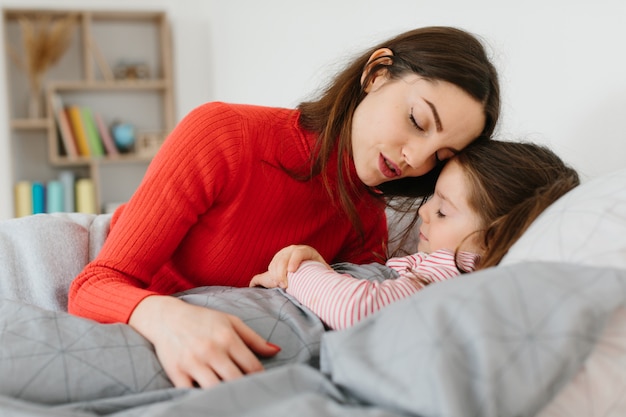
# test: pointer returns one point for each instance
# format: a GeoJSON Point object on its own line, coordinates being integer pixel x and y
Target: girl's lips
{"type": "Point", "coordinates": [388, 168]}
{"type": "Point", "coordinates": [422, 237]}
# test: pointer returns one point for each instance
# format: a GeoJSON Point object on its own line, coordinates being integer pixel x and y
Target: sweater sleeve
{"type": "Point", "coordinates": [341, 300]}
{"type": "Point", "coordinates": [182, 182]}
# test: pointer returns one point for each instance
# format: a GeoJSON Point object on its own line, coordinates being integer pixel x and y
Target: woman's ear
{"type": "Point", "coordinates": [380, 56]}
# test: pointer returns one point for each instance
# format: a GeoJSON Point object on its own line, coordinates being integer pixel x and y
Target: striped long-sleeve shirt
{"type": "Point", "coordinates": [340, 300]}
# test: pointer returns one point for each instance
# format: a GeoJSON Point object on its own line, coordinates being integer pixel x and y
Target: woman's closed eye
{"type": "Point", "coordinates": [414, 122]}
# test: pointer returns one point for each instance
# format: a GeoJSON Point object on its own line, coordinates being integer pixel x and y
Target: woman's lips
{"type": "Point", "coordinates": [388, 168]}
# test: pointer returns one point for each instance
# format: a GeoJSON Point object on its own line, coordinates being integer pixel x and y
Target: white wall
{"type": "Point", "coordinates": [562, 62]}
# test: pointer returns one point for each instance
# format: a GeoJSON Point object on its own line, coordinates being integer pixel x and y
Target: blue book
{"type": "Point", "coordinates": [55, 201]}
{"type": "Point", "coordinates": [67, 178]}
{"type": "Point", "coordinates": [39, 198]}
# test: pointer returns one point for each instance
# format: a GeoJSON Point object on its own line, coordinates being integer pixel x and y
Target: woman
{"type": "Point", "coordinates": [233, 184]}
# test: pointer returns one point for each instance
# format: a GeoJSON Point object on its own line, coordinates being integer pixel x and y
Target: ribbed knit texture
{"type": "Point", "coordinates": [214, 207]}
{"type": "Point", "coordinates": [341, 300]}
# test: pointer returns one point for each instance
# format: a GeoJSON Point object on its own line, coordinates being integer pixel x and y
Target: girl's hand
{"type": "Point", "coordinates": [286, 260]}
{"type": "Point", "coordinates": [198, 346]}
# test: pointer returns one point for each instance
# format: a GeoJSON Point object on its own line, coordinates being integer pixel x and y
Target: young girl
{"type": "Point", "coordinates": [233, 184]}
{"type": "Point", "coordinates": [484, 199]}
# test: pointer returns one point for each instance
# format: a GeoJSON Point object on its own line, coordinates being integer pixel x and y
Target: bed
{"type": "Point", "coordinates": [544, 333]}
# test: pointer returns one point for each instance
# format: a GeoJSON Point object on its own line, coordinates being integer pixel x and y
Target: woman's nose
{"type": "Point", "coordinates": [419, 159]}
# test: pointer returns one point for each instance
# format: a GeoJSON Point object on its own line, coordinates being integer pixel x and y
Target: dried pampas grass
{"type": "Point", "coordinates": [44, 40]}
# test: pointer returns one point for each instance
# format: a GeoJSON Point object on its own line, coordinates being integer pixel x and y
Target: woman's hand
{"type": "Point", "coordinates": [198, 346]}
{"type": "Point", "coordinates": [286, 260]}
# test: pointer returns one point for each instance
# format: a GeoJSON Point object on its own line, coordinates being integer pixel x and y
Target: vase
{"type": "Point", "coordinates": [35, 105]}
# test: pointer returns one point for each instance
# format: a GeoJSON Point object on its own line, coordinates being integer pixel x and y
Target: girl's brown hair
{"type": "Point", "coordinates": [511, 183]}
{"type": "Point", "coordinates": [435, 53]}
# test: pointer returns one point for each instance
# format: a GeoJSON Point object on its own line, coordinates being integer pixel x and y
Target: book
{"type": "Point", "coordinates": [76, 121]}
{"type": "Point", "coordinates": [93, 135]}
{"type": "Point", "coordinates": [55, 201]}
{"type": "Point", "coordinates": [39, 198]}
{"type": "Point", "coordinates": [86, 196]}
{"type": "Point", "coordinates": [105, 134]}
{"type": "Point", "coordinates": [63, 124]}
{"type": "Point", "coordinates": [23, 199]}
{"type": "Point", "coordinates": [67, 178]}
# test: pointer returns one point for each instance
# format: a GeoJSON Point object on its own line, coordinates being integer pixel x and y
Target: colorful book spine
{"type": "Point", "coordinates": [76, 119]}
{"type": "Point", "coordinates": [39, 198]}
{"type": "Point", "coordinates": [55, 201]}
{"type": "Point", "coordinates": [85, 196]}
{"type": "Point", "coordinates": [23, 199]}
{"type": "Point", "coordinates": [91, 130]}
{"type": "Point", "coordinates": [65, 129]}
{"type": "Point", "coordinates": [67, 178]}
{"type": "Point", "coordinates": [105, 134]}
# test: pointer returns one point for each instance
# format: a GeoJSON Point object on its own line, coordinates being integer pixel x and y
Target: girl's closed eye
{"type": "Point", "coordinates": [440, 214]}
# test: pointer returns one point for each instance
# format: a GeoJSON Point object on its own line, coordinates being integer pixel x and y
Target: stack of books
{"type": "Point", "coordinates": [83, 132]}
{"type": "Point", "coordinates": [64, 194]}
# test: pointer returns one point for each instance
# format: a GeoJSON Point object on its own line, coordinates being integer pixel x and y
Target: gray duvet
{"type": "Point", "coordinates": [500, 342]}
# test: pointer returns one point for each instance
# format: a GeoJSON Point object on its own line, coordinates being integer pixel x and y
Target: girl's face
{"type": "Point", "coordinates": [447, 218]}
{"type": "Point", "coordinates": [402, 127]}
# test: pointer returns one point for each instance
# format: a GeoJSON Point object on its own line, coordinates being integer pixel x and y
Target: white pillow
{"type": "Point", "coordinates": [598, 388]}
{"type": "Point", "coordinates": [587, 226]}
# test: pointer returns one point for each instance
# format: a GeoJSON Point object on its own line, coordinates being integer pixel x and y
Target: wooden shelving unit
{"type": "Point", "coordinates": [86, 75]}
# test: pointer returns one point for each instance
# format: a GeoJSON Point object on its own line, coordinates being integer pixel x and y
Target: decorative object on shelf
{"type": "Point", "coordinates": [123, 136]}
{"type": "Point", "coordinates": [105, 70]}
{"type": "Point", "coordinates": [148, 143]}
{"type": "Point", "coordinates": [44, 41]}
{"type": "Point", "coordinates": [134, 71]}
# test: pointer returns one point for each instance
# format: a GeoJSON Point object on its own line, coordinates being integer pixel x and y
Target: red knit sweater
{"type": "Point", "coordinates": [214, 207]}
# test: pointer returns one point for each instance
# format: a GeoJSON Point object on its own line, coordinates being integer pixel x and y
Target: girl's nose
{"type": "Point", "coordinates": [423, 211]}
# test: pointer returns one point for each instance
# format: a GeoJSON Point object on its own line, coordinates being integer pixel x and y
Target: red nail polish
{"type": "Point", "coordinates": [275, 347]}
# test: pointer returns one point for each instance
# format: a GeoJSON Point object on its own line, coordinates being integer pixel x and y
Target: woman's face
{"type": "Point", "coordinates": [402, 127]}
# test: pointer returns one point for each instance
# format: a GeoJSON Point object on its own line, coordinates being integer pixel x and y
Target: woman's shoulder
{"type": "Point", "coordinates": [245, 112]}
{"type": "Point", "coordinates": [224, 124]}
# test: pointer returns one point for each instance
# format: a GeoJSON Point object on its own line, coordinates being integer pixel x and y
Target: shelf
{"type": "Point", "coordinates": [30, 124]}
{"type": "Point", "coordinates": [64, 161]}
{"type": "Point", "coordinates": [120, 85]}
{"type": "Point", "coordinates": [118, 66]}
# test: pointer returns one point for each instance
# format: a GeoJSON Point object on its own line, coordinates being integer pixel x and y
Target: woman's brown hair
{"type": "Point", "coordinates": [435, 53]}
{"type": "Point", "coordinates": [510, 184]}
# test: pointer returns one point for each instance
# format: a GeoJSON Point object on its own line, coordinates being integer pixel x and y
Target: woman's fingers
{"type": "Point", "coordinates": [252, 342]}
{"type": "Point", "coordinates": [231, 357]}
{"type": "Point", "coordinates": [219, 368]}
{"type": "Point", "coordinates": [178, 378]}
{"type": "Point", "coordinates": [198, 346]}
